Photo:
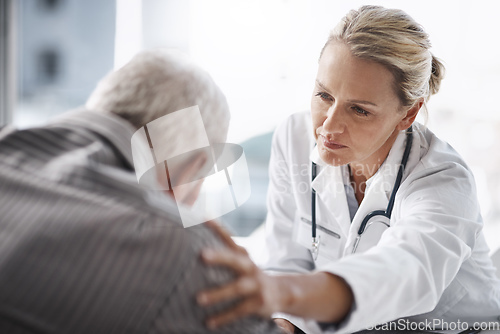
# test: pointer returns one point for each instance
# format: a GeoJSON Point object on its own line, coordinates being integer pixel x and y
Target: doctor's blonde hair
{"type": "Point", "coordinates": [393, 39]}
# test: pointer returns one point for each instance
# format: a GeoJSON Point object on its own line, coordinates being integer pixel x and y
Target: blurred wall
{"type": "Point", "coordinates": [65, 47]}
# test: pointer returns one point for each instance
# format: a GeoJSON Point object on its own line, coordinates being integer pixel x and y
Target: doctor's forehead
{"type": "Point", "coordinates": [339, 72]}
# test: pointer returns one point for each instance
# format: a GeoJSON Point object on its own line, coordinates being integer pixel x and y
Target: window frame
{"type": "Point", "coordinates": [8, 11]}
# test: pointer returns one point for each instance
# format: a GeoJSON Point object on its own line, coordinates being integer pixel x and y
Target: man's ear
{"type": "Point", "coordinates": [411, 114]}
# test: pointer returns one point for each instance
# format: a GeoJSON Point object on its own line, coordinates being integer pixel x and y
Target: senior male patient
{"type": "Point", "coordinates": [83, 247]}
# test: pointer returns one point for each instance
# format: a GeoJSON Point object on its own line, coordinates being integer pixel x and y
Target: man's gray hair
{"type": "Point", "coordinates": [158, 82]}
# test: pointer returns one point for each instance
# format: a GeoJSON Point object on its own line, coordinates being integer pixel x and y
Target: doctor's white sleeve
{"type": "Point", "coordinates": [285, 255]}
{"type": "Point", "coordinates": [435, 225]}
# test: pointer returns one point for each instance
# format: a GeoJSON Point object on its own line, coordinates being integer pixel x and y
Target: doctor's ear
{"type": "Point", "coordinates": [410, 116]}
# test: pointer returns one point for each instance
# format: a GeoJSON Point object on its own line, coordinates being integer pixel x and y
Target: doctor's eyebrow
{"type": "Point", "coordinates": [321, 85]}
{"type": "Point", "coordinates": [362, 102]}
{"type": "Point", "coordinates": [352, 101]}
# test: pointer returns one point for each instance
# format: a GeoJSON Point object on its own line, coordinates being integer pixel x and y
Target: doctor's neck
{"type": "Point", "coordinates": [361, 171]}
{"type": "Point", "coordinates": [364, 169]}
{"type": "Point", "coordinates": [358, 179]}
{"type": "Point", "coordinates": [358, 175]}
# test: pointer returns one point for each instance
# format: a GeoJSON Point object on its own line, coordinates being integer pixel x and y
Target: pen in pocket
{"type": "Point", "coordinates": [321, 228]}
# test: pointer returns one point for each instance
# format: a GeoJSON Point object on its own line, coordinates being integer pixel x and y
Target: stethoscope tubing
{"type": "Point", "coordinates": [386, 213]}
{"type": "Point", "coordinates": [313, 201]}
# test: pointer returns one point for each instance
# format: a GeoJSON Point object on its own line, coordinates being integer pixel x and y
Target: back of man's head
{"type": "Point", "coordinates": [156, 83]}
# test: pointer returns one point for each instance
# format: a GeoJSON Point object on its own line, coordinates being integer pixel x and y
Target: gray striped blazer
{"type": "Point", "coordinates": [83, 249]}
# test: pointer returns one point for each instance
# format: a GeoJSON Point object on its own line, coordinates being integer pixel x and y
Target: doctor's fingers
{"type": "Point", "coordinates": [241, 263]}
{"type": "Point", "coordinates": [225, 236]}
{"type": "Point", "coordinates": [240, 288]}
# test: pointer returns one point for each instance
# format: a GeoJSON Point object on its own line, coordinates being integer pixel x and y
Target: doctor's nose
{"type": "Point", "coordinates": [334, 121]}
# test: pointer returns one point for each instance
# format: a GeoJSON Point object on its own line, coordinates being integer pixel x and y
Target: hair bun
{"type": "Point", "coordinates": [437, 74]}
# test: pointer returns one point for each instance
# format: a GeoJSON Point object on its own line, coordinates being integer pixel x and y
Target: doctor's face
{"type": "Point", "coordinates": [356, 113]}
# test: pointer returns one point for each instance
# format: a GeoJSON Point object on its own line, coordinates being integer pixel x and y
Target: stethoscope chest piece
{"type": "Point", "coordinates": [315, 247]}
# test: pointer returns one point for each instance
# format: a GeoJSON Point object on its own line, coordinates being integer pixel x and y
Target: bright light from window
{"type": "Point", "coordinates": [260, 53]}
{"type": "Point", "coordinates": [128, 40]}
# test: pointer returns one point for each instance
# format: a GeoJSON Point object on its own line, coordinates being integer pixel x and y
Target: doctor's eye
{"type": "Point", "coordinates": [324, 96]}
{"type": "Point", "coordinates": [360, 111]}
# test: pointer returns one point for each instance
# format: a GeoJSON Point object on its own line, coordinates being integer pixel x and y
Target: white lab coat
{"type": "Point", "coordinates": [432, 263]}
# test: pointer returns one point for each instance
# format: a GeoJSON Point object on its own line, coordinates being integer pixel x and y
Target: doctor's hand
{"type": "Point", "coordinates": [259, 294]}
{"type": "Point", "coordinates": [286, 326]}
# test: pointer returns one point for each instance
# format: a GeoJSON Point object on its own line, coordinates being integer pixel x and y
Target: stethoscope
{"type": "Point", "coordinates": [365, 223]}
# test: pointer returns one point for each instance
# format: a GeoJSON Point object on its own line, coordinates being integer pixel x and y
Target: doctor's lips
{"type": "Point", "coordinates": [332, 145]}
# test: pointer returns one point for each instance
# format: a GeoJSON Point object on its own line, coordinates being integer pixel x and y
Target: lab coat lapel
{"type": "Point", "coordinates": [329, 188]}
{"type": "Point", "coordinates": [379, 188]}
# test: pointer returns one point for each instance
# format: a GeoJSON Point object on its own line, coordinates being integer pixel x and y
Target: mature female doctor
{"type": "Point", "coordinates": [390, 227]}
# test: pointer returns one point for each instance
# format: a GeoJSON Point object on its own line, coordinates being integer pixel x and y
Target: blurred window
{"type": "Point", "coordinates": [49, 4]}
{"type": "Point", "coordinates": [64, 47]}
{"type": "Point", "coordinates": [48, 68]}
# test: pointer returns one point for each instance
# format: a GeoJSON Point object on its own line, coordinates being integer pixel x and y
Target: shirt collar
{"type": "Point", "coordinates": [115, 129]}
